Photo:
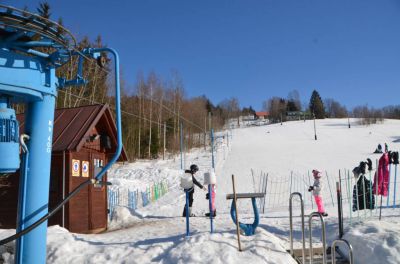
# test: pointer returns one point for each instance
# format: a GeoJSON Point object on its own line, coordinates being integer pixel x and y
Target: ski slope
{"type": "Point", "coordinates": [156, 233]}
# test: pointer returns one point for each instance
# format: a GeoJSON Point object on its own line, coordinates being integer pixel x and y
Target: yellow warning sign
{"type": "Point", "coordinates": [85, 168]}
{"type": "Point", "coordinates": [76, 164]}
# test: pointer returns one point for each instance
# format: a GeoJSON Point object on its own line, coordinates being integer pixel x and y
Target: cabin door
{"type": "Point", "coordinates": [98, 195]}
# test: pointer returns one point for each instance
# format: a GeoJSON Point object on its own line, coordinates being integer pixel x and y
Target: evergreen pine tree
{"type": "Point", "coordinates": [316, 105]}
{"type": "Point", "coordinates": [44, 10]}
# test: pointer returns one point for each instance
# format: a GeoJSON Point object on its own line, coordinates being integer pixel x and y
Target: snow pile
{"type": "Point", "coordinates": [376, 241]}
{"type": "Point", "coordinates": [124, 217]}
{"type": "Point", "coordinates": [222, 248]}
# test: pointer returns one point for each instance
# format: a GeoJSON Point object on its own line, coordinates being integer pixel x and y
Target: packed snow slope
{"type": "Point", "coordinates": [156, 233]}
{"type": "Point", "coordinates": [291, 147]}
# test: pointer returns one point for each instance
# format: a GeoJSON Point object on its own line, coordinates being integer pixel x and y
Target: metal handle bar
{"type": "Point", "coordinates": [302, 224]}
{"type": "Point", "coordinates": [351, 261]}
{"type": "Point", "coordinates": [316, 214]}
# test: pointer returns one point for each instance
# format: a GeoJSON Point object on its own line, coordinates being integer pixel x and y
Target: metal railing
{"type": "Point", "coordinates": [302, 224]}
{"type": "Point", "coordinates": [351, 261]}
{"type": "Point", "coordinates": [316, 214]}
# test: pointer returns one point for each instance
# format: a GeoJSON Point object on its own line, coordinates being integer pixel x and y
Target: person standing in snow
{"type": "Point", "coordinates": [192, 171]}
{"type": "Point", "coordinates": [316, 189]}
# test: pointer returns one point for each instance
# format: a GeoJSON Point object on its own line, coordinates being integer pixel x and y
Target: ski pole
{"type": "Point", "coordinates": [388, 195]}
{"type": "Point", "coordinates": [365, 202]}
{"type": "Point", "coordinates": [394, 189]}
{"type": "Point", "coordinates": [376, 176]}
{"type": "Point", "coordinates": [357, 198]}
{"type": "Point", "coordinates": [210, 205]}
{"type": "Point", "coordinates": [380, 209]}
{"type": "Point", "coordinates": [304, 187]}
{"type": "Point", "coordinates": [338, 193]}
{"type": "Point", "coordinates": [370, 195]}
{"type": "Point", "coordinates": [349, 195]}
{"type": "Point", "coordinates": [340, 205]}
{"type": "Point", "coordinates": [187, 213]}
{"type": "Point", "coordinates": [309, 181]}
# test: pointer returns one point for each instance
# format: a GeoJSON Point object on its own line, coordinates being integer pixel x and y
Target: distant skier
{"type": "Point", "coordinates": [378, 149]}
{"type": "Point", "coordinates": [316, 189]}
{"type": "Point", "coordinates": [192, 171]}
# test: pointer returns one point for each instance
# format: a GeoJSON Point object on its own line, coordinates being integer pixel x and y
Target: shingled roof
{"type": "Point", "coordinates": [73, 125]}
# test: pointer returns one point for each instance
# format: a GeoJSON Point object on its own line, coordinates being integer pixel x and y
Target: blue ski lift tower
{"type": "Point", "coordinates": [31, 49]}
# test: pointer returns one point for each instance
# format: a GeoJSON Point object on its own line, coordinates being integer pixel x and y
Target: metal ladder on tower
{"type": "Point", "coordinates": [320, 255]}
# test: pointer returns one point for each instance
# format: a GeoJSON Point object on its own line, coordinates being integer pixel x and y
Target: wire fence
{"type": "Point", "coordinates": [133, 199]}
{"type": "Point", "coordinates": [359, 200]}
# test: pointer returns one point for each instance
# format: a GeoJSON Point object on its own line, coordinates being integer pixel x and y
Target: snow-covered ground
{"type": "Point", "coordinates": [156, 233]}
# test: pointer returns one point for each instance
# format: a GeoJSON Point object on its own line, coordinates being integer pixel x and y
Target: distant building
{"type": "Point", "coordinates": [247, 118]}
{"type": "Point", "coordinates": [261, 115]}
{"type": "Point", "coordinates": [297, 115]}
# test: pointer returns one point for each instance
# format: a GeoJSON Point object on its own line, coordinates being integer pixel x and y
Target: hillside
{"type": "Point", "coordinates": [156, 233]}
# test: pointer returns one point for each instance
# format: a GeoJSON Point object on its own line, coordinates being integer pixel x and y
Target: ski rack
{"type": "Point", "coordinates": [302, 255]}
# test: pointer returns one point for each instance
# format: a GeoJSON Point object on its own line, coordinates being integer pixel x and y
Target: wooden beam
{"type": "Point", "coordinates": [237, 213]}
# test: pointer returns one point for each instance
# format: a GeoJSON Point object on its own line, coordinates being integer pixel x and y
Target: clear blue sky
{"type": "Point", "coordinates": [251, 49]}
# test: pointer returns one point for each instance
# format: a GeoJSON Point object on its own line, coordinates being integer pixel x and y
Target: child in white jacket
{"type": "Point", "coordinates": [316, 189]}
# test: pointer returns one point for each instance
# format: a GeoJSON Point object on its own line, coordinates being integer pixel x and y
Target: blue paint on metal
{"type": "Point", "coordinates": [22, 203]}
{"type": "Point", "coordinates": [9, 134]}
{"type": "Point", "coordinates": [211, 209]}
{"type": "Point", "coordinates": [25, 78]}
{"type": "Point", "coordinates": [31, 80]}
{"type": "Point", "coordinates": [187, 213]}
{"type": "Point", "coordinates": [39, 126]}
{"type": "Point", "coordinates": [212, 148]}
{"type": "Point", "coordinates": [248, 229]}
{"type": "Point", "coordinates": [78, 80]}
{"type": "Point", "coordinates": [117, 107]}
{"type": "Point", "coordinates": [145, 199]}
{"type": "Point", "coordinates": [181, 146]}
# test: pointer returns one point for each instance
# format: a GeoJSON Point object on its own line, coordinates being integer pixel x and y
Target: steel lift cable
{"type": "Point", "coordinates": [113, 108]}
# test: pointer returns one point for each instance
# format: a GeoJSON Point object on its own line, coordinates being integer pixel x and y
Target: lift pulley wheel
{"type": "Point", "coordinates": [101, 61]}
{"type": "Point", "coordinates": [33, 27]}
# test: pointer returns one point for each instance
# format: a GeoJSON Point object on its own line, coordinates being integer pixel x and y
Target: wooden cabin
{"type": "Point", "coordinates": [261, 115]}
{"type": "Point", "coordinates": [84, 140]}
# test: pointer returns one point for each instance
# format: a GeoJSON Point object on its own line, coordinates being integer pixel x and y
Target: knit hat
{"type": "Point", "coordinates": [356, 172]}
{"type": "Point", "coordinates": [317, 173]}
